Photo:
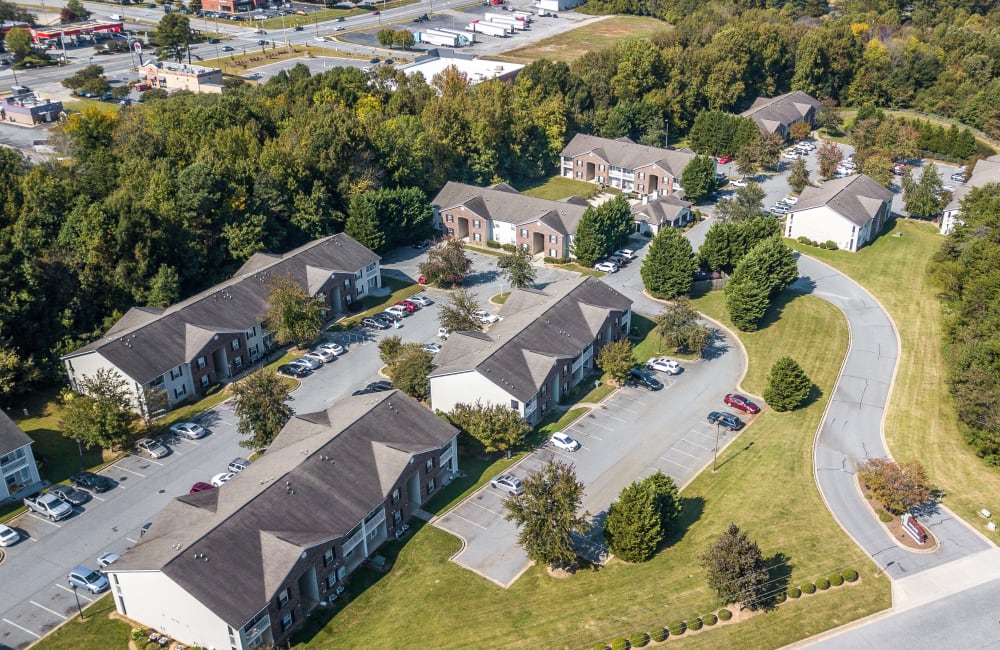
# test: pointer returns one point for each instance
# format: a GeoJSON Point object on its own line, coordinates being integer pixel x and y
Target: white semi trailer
{"type": "Point", "coordinates": [490, 29]}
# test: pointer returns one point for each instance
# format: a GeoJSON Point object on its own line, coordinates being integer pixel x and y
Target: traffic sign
{"type": "Point", "coordinates": [138, 47]}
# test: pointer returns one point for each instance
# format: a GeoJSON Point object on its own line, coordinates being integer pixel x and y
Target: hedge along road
{"type": "Point", "coordinates": [851, 433]}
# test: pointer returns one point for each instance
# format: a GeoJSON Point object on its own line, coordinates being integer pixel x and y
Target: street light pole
{"type": "Point", "coordinates": [715, 460]}
{"type": "Point", "coordinates": [79, 607]}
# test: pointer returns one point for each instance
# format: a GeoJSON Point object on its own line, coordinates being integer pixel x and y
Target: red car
{"type": "Point", "coordinates": [201, 487]}
{"type": "Point", "coordinates": [421, 280]}
{"type": "Point", "coordinates": [725, 160]}
{"type": "Point", "coordinates": [375, 13]}
{"type": "Point", "coordinates": [407, 305]}
{"type": "Point", "coordinates": [741, 403]}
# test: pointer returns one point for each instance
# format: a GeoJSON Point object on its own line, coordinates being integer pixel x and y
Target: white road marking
{"type": "Point", "coordinates": [38, 517]}
{"type": "Point", "coordinates": [601, 426]}
{"type": "Point", "coordinates": [614, 418]}
{"type": "Point", "coordinates": [132, 472]}
{"type": "Point", "coordinates": [65, 588]}
{"type": "Point", "coordinates": [50, 611]}
{"type": "Point", "coordinates": [486, 509]}
{"type": "Point", "coordinates": [149, 460]}
{"type": "Point", "coordinates": [131, 540]}
{"type": "Point", "coordinates": [452, 514]}
{"type": "Point", "coordinates": [670, 460]}
{"type": "Point", "coordinates": [97, 497]}
{"type": "Point", "coordinates": [177, 452]}
{"type": "Point", "coordinates": [622, 408]}
{"type": "Point", "coordinates": [695, 444]}
{"type": "Point", "coordinates": [584, 433]}
{"type": "Point", "coordinates": [684, 452]}
{"type": "Point", "coordinates": [23, 629]}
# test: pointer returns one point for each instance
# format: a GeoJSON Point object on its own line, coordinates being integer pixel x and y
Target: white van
{"type": "Point", "coordinates": [117, 17]}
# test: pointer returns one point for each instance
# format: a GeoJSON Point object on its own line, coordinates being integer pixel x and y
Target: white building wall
{"type": "Point", "coordinates": [949, 220]}
{"type": "Point", "coordinates": [822, 224]}
{"type": "Point", "coordinates": [371, 278]}
{"type": "Point", "coordinates": [21, 465]}
{"type": "Point", "coordinates": [87, 365]}
{"type": "Point", "coordinates": [467, 387]}
{"type": "Point", "coordinates": [159, 603]}
{"type": "Point", "coordinates": [180, 387]}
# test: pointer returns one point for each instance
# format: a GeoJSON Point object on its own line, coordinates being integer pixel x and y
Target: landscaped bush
{"type": "Point", "coordinates": [884, 516]}
{"type": "Point", "coordinates": [804, 240]}
{"type": "Point", "coordinates": [638, 640]}
{"type": "Point", "coordinates": [836, 579]}
{"type": "Point", "coordinates": [725, 614]}
{"type": "Point", "coordinates": [779, 598]}
{"type": "Point", "coordinates": [659, 634]}
{"type": "Point", "coordinates": [139, 633]}
{"type": "Point", "coordinates": [490, 243]}
{"type": "Point", "coordinates": [619, 644]}
{"type": "Point", "coordinates": [808, 588]}
{"type": "Point", "coordinates": [830, 245]}
{"type": "Point", "coordinates": [694, 625]}
{"type": "Point", "coordinates": [677, 628]}
{"type": "Point", "coordinates": [850, 575]}
{"type": "Point", "coordinates": [600, 646]}
{"type": "Point", "coordinates": [822, 584]}
{"type": "Point", "coordinates": [794, 592]}
{"type": "Point", "coordinates": [556, 260]}
{"type": "Point", "coordinates": [710, 619]}
{"type": "Point", "coordinates": [510, 248]}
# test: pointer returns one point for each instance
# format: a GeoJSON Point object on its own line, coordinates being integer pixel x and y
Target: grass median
{"type": "Point", "coordinates": [764, 484]}
{"type": "Point", "coordinates": [921, 423]}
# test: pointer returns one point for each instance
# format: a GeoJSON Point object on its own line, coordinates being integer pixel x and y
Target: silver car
{"type": "Point", "coordinates": [151, 448]}
{"type": "Point", "coordinates": [85, 578]}
{"type": "Point", "coordinates": [307, 362]}
{"type": "Point", "coordinates": [189, 430]}
{"type": "Point", "coordinates": [509, 484]}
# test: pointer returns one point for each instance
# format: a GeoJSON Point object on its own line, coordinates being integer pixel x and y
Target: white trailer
{"type": "Point", "coordinates": [490, 29]}
{"type": "Point", "coordinates": [527, 16]}
{"type": "Point", "coordinates": [460, 38]}
{"type": "Point", "coordinates": [433, 38]}
{"type": "Point", "coordinates": [519, 25]}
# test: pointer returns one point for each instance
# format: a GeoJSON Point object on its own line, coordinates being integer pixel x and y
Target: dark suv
{"type": "Point", "coordinates": [642, 380]}
{"type": "Point", "coordinates": [91, 482]}
{"type": "Point", "coordinates": [727, 420]}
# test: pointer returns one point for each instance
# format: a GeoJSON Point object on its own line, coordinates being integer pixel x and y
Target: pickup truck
{"type": "Point", "coordinates": [49, 506]}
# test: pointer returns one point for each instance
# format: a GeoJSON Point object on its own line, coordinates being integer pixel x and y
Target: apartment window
{"type": "Point", "coordinates": [286, 621]}
{"type": "Point", "coordinates": [395, 496]}
{"type": "Point", "coordinates": [600, 168]}
{"type": "Point", "coordinates": [204, 381]}
{"type": "Point", "coordinates": [235, 344]}
{"type": "Point", "coordinates": [357, 276]}
{"type": "Point", "coordinates": [579, 163]}
{"type": "Point", "coordinates": [579, 174]}
{"type": "Point", "coordinates": [201, 362]}
{"type": "Point", "coordinates": [371, 267]}
{"type": "Point", "coordinates": [553, 239]}
{"type": "Point", "coordinates": [255, 350]}
{"type": "Point", "coordinates": [430, 486]}
{"type": "Point", "coordinates": [252, 332]}
{"type": "Point", "coordinates": [552, 253]}
{"type": "Point", "coordinates": [174, 374]}
{"type": "Point", "coordinates": [514, 404]}
{"type": "Point", "coordinates": [642, 176]}
{"type": "Point", "coordinates": [543, 390]}
{"type": "Point", "coordinates": [451, 232]}
{"type": "Point", "coordinates": [641, 187]}
{"type": "Point", "coordinates": [449, 218]}
{"type": "Point", "coordinates": [328, 557]}
{"type": "Point", "coordinates": [524, 232]}
{"type": "Point", "coordinates": [477, 237]}
{"type": "Point", "coordinates": [238, 362]}
{"type": "Point", "coordinates": [475, 223]}
{"type": "Point", "coordinates": [429, 466]}
{"type": "Point", "coordinates": [331, 580]}
{"type": "Point", "coordinates": [283, 597]}
{"type": "Point", "coordinates": [180, 391]}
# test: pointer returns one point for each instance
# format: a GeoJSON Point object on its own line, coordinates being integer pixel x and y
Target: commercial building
{"type": "Point", "coordinates": [28, 108]}
{"type": "Point", "coordinates": [169, 355]}
{"type": "Point", "coordinates": [75, 32]}
{"type": "Point", "coordinates": [243, 565]}
{"type": "Point", "coordinates": [476, 70]}
{"type": "Point", "coordinates": [546, 343]}
{"type": "Point", "coordinates": [183, 76]}
{"type": "Point", "coordinates": [851, 212]}
{"type": "Point", "coordinates": [624, 164]}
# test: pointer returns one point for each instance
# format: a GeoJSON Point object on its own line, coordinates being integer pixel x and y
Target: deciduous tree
{"type": "Point", "coordinates": [496, 426]}
{"type": "Point", "coordinates": [668, 269]}
{"type": "Point", "coordinates": [389, 349]}
{"type": "Point", "coordinates": [548, 513]}
{"type": "Point", "coordinates": [18, 41]}
{"type": "Point", "coordinates": [829, 156]}
{"type": "Point", "coordinates": [260, 402]}
{"type": "Point", "coordinates": [409, 370]}
{"type": "Point", "coordinates": [292, 314]}
{"type": "Point", "coordinates": [459, 314]}
{"type": "Point", "coordinates": [897, 486]}
{"type": "Point", "coordinates": [616, 359]}
{"type": "Point", "coordinates": [517, 268]}
{"type": "Point", "coordinates": [747, 203]}
{"type": "Point", "coordinates": [788, 386]}
{"type": "Point", "coordinates": [101, 414]}
{"type": "Point", "coordinates": [736, 569]}
{"type": "Point", "coordinates": [798, 176]}
{"type": "Point", "coordinates": [800, 130]}
{"type": "Point", "coordinates": [679, 328]}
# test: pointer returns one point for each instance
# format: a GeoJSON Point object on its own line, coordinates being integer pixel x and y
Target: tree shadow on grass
{"type": "Point", "coordinates": [691, 511]}
{"type": "Point", "coordinates": [779, 575]}
{"type": "Point", "coordinates": [777, 307]}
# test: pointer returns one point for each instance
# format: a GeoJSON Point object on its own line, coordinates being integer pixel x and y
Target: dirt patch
{"type": "Point", "coordinates": [561, 573]}
{"type": "Point", "coordinates": [895, 525]}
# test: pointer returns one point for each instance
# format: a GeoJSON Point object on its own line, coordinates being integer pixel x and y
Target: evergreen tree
{"type": "Point", "coordinates": [615, 221]}
{"type": "Point", "coordinates": [666, 497]}
{"type": "Point", "coordinates": [746, 302]}
{"type": "Point", "coordinates": [798, 177]}
{"type": "Point", "coordinates": [698, 178]}
{"type": "Point", "coordinates": [633, 528]}
{"type": "Point", "coordinates": [164, 289]}
{"type": "Point", "coordinates": [764, 272]}
{"type": "Point", "coordinates": [736, 569]}
{"type": "Point", "coordinates": [668, 269]}
{"type": "Point", "coordinates": [365, 228]}
{"type": "Point", "coordinates": [714, 252]}
{"type": "Point", "coordinates": [589, 243]}
{"type": "Point", "coordinates": [922, 198]}
{"type": "Point", "coordinates": [788, 386]}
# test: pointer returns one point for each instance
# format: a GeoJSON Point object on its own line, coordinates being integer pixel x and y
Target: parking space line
{"type": "Point", "coordinates": [452, 514]}
{"type": "Point", "coordinates": [622, 408]}
{"type": "Point", "coordinates": [50, 611]}
{"type": "Point", "coordinates": [43, 520]}
{"type": "Point", "coordinates": [684, 452]}
{"type": "Point", "coordinates": [149, 460]}
{"type": "Point", "coordinates": [602, 426]}
{"type": "Point", "coordinates": [174, 450]}
{"type": "Point", "coordinates": [671, 460]}
{"type": "Point", "coordinates": [65, 588]}
{"type": "Point", "coordinates": [614, 418]}
{"type": "Point", "coordinates": [131, 540]}
{"type": "Point", "coordinates": [131, 471]}
{"type": "Point", "coordinates": [23, 629]}
{"type": "Point", "coordinates": [96, 497]}
{"type": "Point", "coordinates": [694, 444]}
{"type": "Point", "coordinates": [703, 435]}
{"type": "Point", "coordinates": [584, 433]}
{"type": "Point", "coordinates": [486, 509]}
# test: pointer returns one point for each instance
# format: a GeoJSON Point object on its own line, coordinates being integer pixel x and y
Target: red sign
{"type": "Point", "coordinates": [138, 47]}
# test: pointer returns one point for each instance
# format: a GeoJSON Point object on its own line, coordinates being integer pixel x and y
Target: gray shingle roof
{"type": "Point", "coordinates": [785, 109]}
{"type": "Point", "coordinates": [987, 170]}
{"type": "Point", "coordinates": [627, 154]}
{"type": "Point", "coordinates": [856, 198]}
{"type": "Point", "coordinates": [11, 435]}
{"type": "Point", "coordinates": [337, 465]}
{"type": "Point", "coordinates": [665, 208]}
{"type": "Point", "coordinates": [538, 327]}
{"type": "Point", "coordinates": [145, 342]}
{"type": "Point", "coordinates": [503, 203]}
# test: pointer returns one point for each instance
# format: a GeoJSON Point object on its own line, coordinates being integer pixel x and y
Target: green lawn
{"type": "Point", "coordinates": [921, 422]}
{"type": "Point", "coordinates": [764, 484]}
{"type": "Point", "coordinates": [560, 187]}
{"type": "Point", "coordinates": [572, 44]}
{"type": "Point", "coordinates": [99, 631]}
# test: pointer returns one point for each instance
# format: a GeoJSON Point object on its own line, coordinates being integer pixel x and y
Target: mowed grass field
{"type": "Point", "coordinates": [764, 484]}
{"type": "Point", "coordinates": [571, 45]}
{"type": "Point", "coordinates": [921, 423]}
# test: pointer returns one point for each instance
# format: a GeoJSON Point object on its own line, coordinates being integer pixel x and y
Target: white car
{"type": "Point", "coordinates": [443, 332]}
{"type": "Point", "coordinates": [779, 208]}
{"type": "Point", "coordinates": [8, 536]}
{"type": "Point", "coordinates": [738, 182]}
{"type": "Point", "coordinates": [189, 430]}
{"type": "Point", "coordinates": [485, 317]}
{"type": "Point", "coordinates": [398, 310]}
{"type": "Point", "coordinates": [790, 200]}
{"type": "Point", "coordinates": [663, 364]}
{"type": "Point", "coordinates": [627, 253]}
{"type": "Point", "coordinates": [790, 155]}
{"type": "Point", "coordinates": [947, 188]}
{"type": "Point", "coordinates": [307, 362]}
{"type": "Point", "coordinates": [321, 355]}
{"type": "Point", "coordinates": [107, 558]}
{"type": "Point", "coordinates": [221, 479]}
{"type": "Point", "coordinates": [421, 300]}
{"type": "Point", "coordinates": [607, 267]}
{"type": "Point", "coordinates": [433, 348]}
{"type": "Point", "coordinates": [560, 440]}
{"type": "Point", "coordinates": [336, 348]}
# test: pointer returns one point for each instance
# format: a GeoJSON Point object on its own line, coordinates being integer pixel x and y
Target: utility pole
{"type": "Point", "coordinates": [79, 608]}
{"type": "Point", "coordinates": [715, 460]}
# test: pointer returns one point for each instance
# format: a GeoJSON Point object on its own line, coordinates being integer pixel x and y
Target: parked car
{"type": "Point", "coordinates": [307, 362]}
{"type": "Point", "coordinates": [189, 430]}
{"type": "Point", "coordinates": [485, 317]}
{"type": "Point", "coordinates": [947, 188]}
{"type": "Point", "coordinates": [399, 311]}
{"type": "Point", "coordinates": [790, 154]}
{"type": "Point", "coordinates": [151, 448]}
{"type": "Point", "coordinates": [91, 482]}
{"type": "Point", "coordinates": [509, 483]}
{"type": "Point", "coordinates": [725, 420]}
{"type": "Point", "coordinates": [780, 208]}
{"type": "Point", "coordinates": [663, 364]}
{"type": "Point", "coordinates": [422, 281]}
{"type": "Point", "coordinates": [433, 348]}
{"type": "Point", "coordinates": [364, 391]}
{"type": "Point", "coordinates": [336, 348]}
{"type": "Point", "coordinates": [391, 317]}
{"type": "Point", "coordinates": [69, 495]}
{"type": "Point", "coordinates": [237, 465]}
{"type": "Point", "coordinates": [222, 478]}
{"type": "Point", "coordinates": [958, 177]}
{"type": "Point", "coordinates": [741, 403]}
{"type": "Point", "coordinates": [380, 386]}
{"type": "Point", "coordinates": [90, 579]}
{"type": "Point", "coordinates": [298, 28]}
{"type": "Point", "coordinates": [48, 505]}
{"type": "Point", "coordinates": [200, 486]}
{"type": "Point", "coordinates": [422, 300]}
{"type": "Point", "coordinates": [374, 59]}
{"type": "Point", "coordinates": [737, 182]}
{"type": "Point", "coordinates": [639, 379]}
{"type": "Point", "coordinates": [374, 324]}
{"type": "Point", "coordinates": [443, 332]}
{"type": "Point", "coordinates": [106, 559]}
{"type": "Point", "coordinates": [725, 160]}
{"type": "Point", "coordinates": [560, 440]}
{"type": "Point", "coordinates": [618, 261]}
{"type": "Point", "coordinates": [289, 370]}
{"type": "Point", "coordinates": [790, 200]}
{"type": "Point", "coordinates": [407, 305]}
{"type": "Point", "coordinates": [321, 355]}
{"type": "Point", "coordinates": [627, 253]}
{"type": "Point", "coordinates": [8, 536]}
{"type": "Point", "coordinates": [607, 267]}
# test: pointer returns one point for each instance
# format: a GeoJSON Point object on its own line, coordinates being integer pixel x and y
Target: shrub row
{"type": "Point", "coordinates": [490, 243]}
{"type": "Point", "coordinates": [556, 260]}
{"type": "Point", "coordinates": [829, 245]}
{"type": "Point", "coordinates": [510, 248]}
{"type": "Point", "coordinates": [808, 588]}
{"type": "Point", "coordinates": [659, 634]}
{"type": "Point", "coordinates": [835, 580]}
{"type": "Point", "coordinates": [822, 584]}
